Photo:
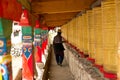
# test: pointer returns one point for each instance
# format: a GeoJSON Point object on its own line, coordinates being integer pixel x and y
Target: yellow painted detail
{"type": "Point", "coordinates": [5, 59]}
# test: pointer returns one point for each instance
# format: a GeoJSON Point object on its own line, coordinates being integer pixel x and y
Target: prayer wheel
{"type": "Point", "coordinates": [69, 33]}
{"type": "Point", "coordinates": [77, 33]}
{"type": "Point", "coordinates": [81, 33]}
{"type": "Point", "coordinates": [73, 32]}
{"type": "Point", "coordinates": [117, 3]}
{"type": "Point", "coordinates": [85, 26]}
{"type": "Point", "coordinates": [91, 34]}
{"type": "Point", "coordinates": [109, 36]}
{"type": "Point", "coordinates": [98, 34]}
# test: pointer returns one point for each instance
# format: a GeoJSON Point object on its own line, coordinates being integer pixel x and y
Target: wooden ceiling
{"type": "Point", "coordinates": [58, 12]}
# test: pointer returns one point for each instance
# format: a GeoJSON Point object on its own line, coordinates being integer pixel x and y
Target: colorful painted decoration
{"type": "Point", "coordinates": [4, 71]}
{"type": "Point", "coordinates": [3, 49]}
{"type": "Point", "coordinates": [0, 75]}
{"type": "Point", "coordinates": [27, 50]}
{"type": "Point", "coordinates": [27, 58]}
{"type": "Point", "coordinates": [37, 43]}
{"type": "Point", "coordinates": [5, 61]}
{"type": "Point", "coordinates": [1, 29]}
{"type": "Point", "coordinates": [37, 37]}
{"type": "Point", "coordinates": [16, 39]}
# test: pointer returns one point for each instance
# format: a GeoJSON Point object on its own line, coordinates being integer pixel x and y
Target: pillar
{"type": "Point", "coordinates": [16, 49]}
{"type": "Point", "coordinates": [5, 58]}
{"type": "Point", "coordinates": [27, 56]}
{"type": "Point", "coordinates": [38, 51]}
{"type": "Point", "coordinates": [37, 43]}
{"type": "Point", "coordinates": [43, 46]}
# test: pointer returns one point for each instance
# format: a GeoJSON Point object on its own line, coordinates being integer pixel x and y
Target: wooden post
{"type": "Point", "coordinates": [38, 51]}
{"type": "Point", "coordinates": [27, 56]}
{"type": "Point", "coordinates": [37, 44]}
{"type": "Point", "coordinates": [5, 58]}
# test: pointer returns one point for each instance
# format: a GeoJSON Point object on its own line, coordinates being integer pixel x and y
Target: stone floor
{"type": "Point", "coordinates": [59, 72]}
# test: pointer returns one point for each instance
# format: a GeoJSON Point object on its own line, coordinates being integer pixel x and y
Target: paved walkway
{"type": "Point", "coordinates": [57, 72]}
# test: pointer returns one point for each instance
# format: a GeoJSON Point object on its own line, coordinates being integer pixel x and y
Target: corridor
{"type": "Point", "coordinates": [90, 30]}
{"type": "Point", "coordinates": [57, 72]}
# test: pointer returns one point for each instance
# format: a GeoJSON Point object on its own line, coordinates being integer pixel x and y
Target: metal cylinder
{"type": "Point", "coordinates": [109, 36]}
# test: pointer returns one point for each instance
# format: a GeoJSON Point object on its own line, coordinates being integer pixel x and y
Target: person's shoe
{"type": "Point", "coordinates": [60, 65]}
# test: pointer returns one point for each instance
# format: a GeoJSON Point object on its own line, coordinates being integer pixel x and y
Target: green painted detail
{"type": "Point", "coordinates": [7, 28]}
{"type": "Point", "coordinates": [1, 36]}
{"type": "Point", "coordinates": [1, 29]}
{"type": "Point", "coordinates": [37, 31]}
{"type": "Point", "coordinates": [44, 31]}
{"type": "Point", "coordinates": [27, 30]}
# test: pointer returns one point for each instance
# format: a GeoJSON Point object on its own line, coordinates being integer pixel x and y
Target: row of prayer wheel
{"type": "Point", "coordinates": [97, 33]}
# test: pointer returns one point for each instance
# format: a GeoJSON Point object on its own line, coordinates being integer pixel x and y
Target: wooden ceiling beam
{"type": "Point", "coordinates": [57, 20]}
{"type": "Point", "coordinates": [62, 16]}
{"type": "Point", "coordinates": [57, 23]}
{"type": "Point", "coordinates": [51, 7]}
{"type": "Point", "coordinates": [26, 4]}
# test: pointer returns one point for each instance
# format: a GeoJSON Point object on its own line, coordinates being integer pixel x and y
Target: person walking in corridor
{"type": "Point", "coordinates": [58, 48]}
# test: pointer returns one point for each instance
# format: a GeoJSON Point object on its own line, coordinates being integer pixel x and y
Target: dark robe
{"type": "Point", "coordinates": [57, 44]}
